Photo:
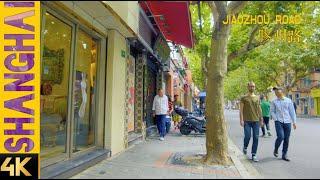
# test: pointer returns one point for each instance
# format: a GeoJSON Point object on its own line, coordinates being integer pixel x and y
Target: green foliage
{"type": "Point", "coordinates": [202, 36]}
{"type": "Point", "coordinates": [268, 63]}
{"type": "Point", "coordinates": [236, 83]}
{"type": "Point", "coordinates": [195, 66]}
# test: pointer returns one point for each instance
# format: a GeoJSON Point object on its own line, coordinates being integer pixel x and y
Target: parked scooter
{"type": "Point", "coordinates": [190, 122]}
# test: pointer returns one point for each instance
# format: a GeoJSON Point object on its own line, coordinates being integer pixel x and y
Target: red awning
{"type": "Point", "coordinates": [174, 20]}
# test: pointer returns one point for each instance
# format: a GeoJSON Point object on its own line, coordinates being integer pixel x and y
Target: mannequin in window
{"type": "Point", "coordinates": [83, 84]}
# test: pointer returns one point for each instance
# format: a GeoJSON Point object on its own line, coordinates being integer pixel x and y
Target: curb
{"type": "Point", "coordinates": [245, 168]}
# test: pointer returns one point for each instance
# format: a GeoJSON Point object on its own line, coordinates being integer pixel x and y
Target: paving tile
{"type": "Point", "coordinates": [153, 159]}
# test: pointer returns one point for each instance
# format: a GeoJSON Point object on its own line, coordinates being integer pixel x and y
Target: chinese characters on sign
{"type": "Point", "coordinates": [290, 36]}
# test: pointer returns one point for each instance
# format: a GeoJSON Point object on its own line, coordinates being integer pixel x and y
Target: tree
{"type": "Point", "coordinates": [216, 135]}
{"type": "Point", "coordinates": [235, 49]}
{"type": "Point", "coordinates": [242, 37]}
{"type": "Point", "coordinates": [268, 65]}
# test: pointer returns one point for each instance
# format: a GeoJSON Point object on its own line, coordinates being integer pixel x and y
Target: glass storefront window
{"type": "Point", "coordinates": [84, 91]}
{"type": "Point", "coordinates": [63, 71]}
{"type": "Point", "coordinates": [54, 86]}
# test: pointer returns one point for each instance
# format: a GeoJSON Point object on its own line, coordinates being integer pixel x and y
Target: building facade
{"type": "Point", "coordinates": [101, 65]}
{"type": "Point", "coordinates": [83, 78]}
{"type": "Point", "coordinates": [306, 96]}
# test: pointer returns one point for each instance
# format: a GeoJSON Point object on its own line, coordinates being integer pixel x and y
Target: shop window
{"type": "Point", "coordinates": [311, 103]}
{"type": "Point", "coordinates": [54, 86]}
{"type": "Point", "coordinates": [84, 91]}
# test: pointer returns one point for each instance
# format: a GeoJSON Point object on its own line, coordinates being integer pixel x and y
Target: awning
{"type": "Point", "coordinates": [174, 20]}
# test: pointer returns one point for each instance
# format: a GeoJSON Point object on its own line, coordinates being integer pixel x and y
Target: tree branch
{"type": "Point", "coordinates": [193, 2]}
{"type": "Point", "coordinates": [294, 81]}
{"type": "Point", "coordinates": [236, 6]}
{"type": "Point", "coordinates": [220, 8]}
{"type": "Point", "coordinates": [252, 34]}
{"type": "Point", "coordinates": [297, 77]}
{"type": "Point", "coordinates": [253, 43]}
{"type": "Point", "coordinates": [213, 10]}
{"type": "Point", "coordinates": [275, 77]}
{"type": "Point", "coordinates": [204, 65]}
{"type": "Point", "coordinates": [278, 82]}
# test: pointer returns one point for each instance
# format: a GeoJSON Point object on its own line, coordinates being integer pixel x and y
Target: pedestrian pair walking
{"type": "Point", "coordinates": [251, 118]}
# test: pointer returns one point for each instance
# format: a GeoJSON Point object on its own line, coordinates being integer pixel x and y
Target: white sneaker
{"type": "Point", "coordinates": [161, 139]}
{"type": "Point", "coordinates": [254, 158]}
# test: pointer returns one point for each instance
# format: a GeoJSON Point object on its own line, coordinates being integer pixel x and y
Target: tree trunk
{"type": "Point", "coordinates": [216, 134]}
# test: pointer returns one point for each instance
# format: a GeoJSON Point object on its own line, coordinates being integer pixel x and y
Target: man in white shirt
{"type": "Point", "coordinates": [283, 113]}
{"type": "Point", "coordinates": [160, 111]}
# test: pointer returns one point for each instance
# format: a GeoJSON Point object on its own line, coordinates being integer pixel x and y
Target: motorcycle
{"type": "Point", "coordinates": [190, 122]}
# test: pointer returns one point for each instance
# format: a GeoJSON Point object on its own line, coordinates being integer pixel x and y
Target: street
{"type": "Point", "coordinates": [303, 149]}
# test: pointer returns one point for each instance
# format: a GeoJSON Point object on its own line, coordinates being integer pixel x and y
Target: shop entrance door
{"type": "Point", "coordinates": [131, 93]}
{"type": "Point", "coordinates": [70, 60]}
{"type": "Point", "coordinates": [84, 91]}
{"type": "Point", "coordinates": [149, 93]}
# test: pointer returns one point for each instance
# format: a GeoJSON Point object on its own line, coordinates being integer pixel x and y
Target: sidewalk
{"type": "Point", "coordinates": [308, 117]}
{"type": "Point", "coordinates": [156, 159]}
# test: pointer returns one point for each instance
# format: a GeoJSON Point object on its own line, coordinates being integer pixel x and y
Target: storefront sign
{"type": "Point", "coordinates": [162, 49]}
{"type": "Point", "coordinates": [20, 89]}
{"type": "Point", "coordinates": [315, 93]}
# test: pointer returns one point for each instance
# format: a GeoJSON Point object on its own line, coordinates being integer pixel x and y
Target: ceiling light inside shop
{"type": "Point", "coordinates": [84, 45]}
{"type": "Point", "coordinates": [52, 22]}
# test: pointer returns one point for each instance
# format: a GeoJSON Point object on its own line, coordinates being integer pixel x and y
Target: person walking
{"type": "Point", "coordinates": [265, 107]}
{"type": "Point", "coordinates": [160, 111]}
{"type": "Point", "coordinates": [295, 107]}
{"type": "Point", "coordinates": [284, 115]}
{"type": "Point", "coordinates": [169, 116]}
{"type": "Point", "coordinates": [176, 117]}
{"type": "Point", "coordinates": [250, 117]}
